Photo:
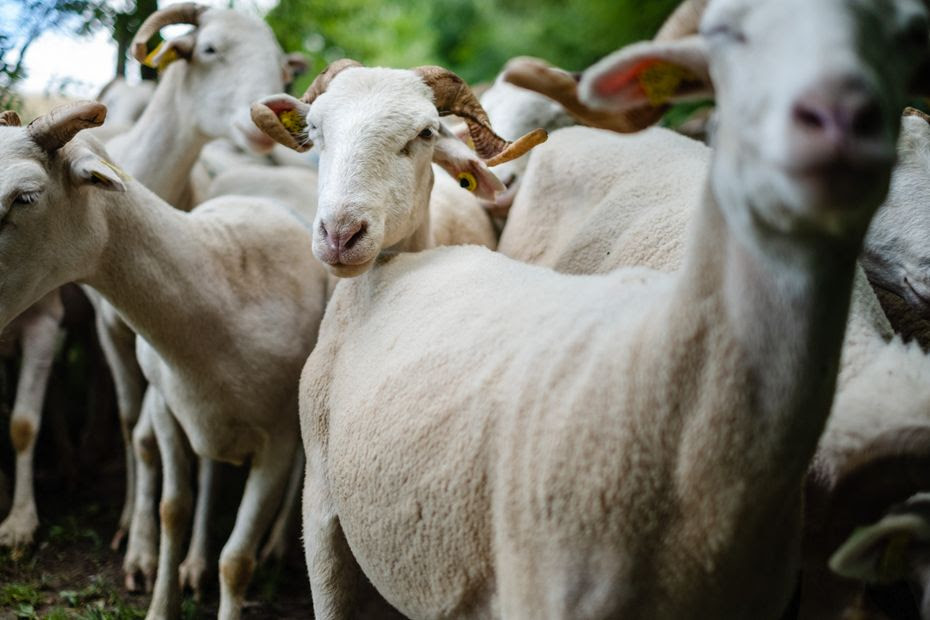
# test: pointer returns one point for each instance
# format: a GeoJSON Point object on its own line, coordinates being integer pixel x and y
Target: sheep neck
{"type": "Point", "coordinates": [779, 309]}
{"type": "Point", "coordinates": [151, 269]}
{"type": "Point", "coordinates": [162, 147]}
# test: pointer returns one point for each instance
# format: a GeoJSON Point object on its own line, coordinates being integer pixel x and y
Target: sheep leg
{"type": "Point", "coordinates": [141, 548]}
{"type": "Point", "coordinates": [263, 491]}
{"type": "Point", "coordinates": [194, 569]}
{"type": "Point", "coordinates": [39, 335]}
{"type": "Point", "coordinates": [174, 510]}
{"type": "Point", "coordinates": [334, 573]}
{"type": "Point", "coordinates": [119, 349]}
{"type": "Point", "coordinates": [279, 539]}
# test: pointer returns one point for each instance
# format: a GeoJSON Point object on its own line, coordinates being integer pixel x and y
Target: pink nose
{"type": "Point", "coordinates": [342, 238]}
{"type": "Point", "coordinates": [836, 113]}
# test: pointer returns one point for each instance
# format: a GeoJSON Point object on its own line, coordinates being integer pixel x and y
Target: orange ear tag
{"type": "Point", "coordinates": [154, 62]}
{"type": "Point", "coordinates": [467, 180]}
{"type": "Point", "coordinates": [661, 80]}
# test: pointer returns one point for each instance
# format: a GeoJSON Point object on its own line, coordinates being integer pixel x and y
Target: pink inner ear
{"type": "Point", "coordinates": [279, 105]}
{"type": "Point", "coordinates": [616, 81]}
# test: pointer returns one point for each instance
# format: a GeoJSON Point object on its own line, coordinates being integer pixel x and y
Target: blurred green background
{"type": "Point", "coordinates": [472, 37]}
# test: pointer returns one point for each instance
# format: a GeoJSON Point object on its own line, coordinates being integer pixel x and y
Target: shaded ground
{"type": "Point", "coordinates": [72, 573]}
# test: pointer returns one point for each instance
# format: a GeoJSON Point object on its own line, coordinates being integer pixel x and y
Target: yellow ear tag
{"type": "Point", "coordinates": [893, 564]}
{"type": "Point", "coordinates": [169, 57]}
{"type": "Point", "coordinates": [660, 81]}
{"type": "Point", "coordinates": [468, 181]}
{"type": "Point", "coordinates": [293, 121]}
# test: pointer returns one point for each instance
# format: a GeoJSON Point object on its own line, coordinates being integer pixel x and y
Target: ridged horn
{"type": "Point", "coordinates": [321, 82]}
{"type": "Point", "coordinates": [452, 95]}
{"type": "Point", "coordinates": [55, 129]}
{"type": "Point", "coordinates": [9, 118]}
{"type": "Point", "coordinates": [182, 13]}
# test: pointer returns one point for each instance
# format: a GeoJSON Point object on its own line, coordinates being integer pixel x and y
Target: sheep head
{"type": "Point", "coordinates": [199, 64]}
{"type": "Point", "coordinates": [47, 233]}
{"type": "Point", "coordinates": [378, 131]}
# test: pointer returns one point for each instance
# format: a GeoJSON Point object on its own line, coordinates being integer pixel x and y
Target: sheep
{"type": "Point", "coordinates": [704, 392]}
{"type": "Point", "coordinates": [238, 303]}
{"type": "Point", "coordinates": [197, 100]}
{"type": "Point", "coordinates": [595, 201]}
{"type": "Point", "coordinates": [125, 103]}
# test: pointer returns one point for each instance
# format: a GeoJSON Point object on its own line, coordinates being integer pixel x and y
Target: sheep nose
{"type": "Point", "coordinates": [343, 237]}
{"type": "Point", "coordinates": [838, 112]}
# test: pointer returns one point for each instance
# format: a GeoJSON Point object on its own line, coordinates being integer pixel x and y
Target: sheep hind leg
{"type": "Point", "coordinates": [195, 569]}
{"type": "Point", "coordinates": [264, 488]}
{"type": "Point", "coordinates": [174, 510]}
{"type": "Point", "coordinates": [40, 332]}
{"type": "Point", "coordinates": [280, 539]}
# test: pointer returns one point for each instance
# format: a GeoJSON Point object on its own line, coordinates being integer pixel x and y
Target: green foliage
{"type": "Point", "coordinates": [474, 38]}
{"type": "Point", "coordinates": [19, 595]}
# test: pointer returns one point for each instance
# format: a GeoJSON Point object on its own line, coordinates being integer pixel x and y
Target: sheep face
{"type": "Point", "coordinates": [808, 146]}
{"type": "Point", "coordinates": [897, 247]}
{"type": "Point", "coordinates": [378, 132]}
{"type": "Point", "coordinates": [43, 197]}
{"type": "Point", "coordinates": [231, 61]}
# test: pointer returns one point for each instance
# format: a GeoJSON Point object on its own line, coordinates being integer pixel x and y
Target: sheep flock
{"type": "Point", "coordinates": [523, 355]}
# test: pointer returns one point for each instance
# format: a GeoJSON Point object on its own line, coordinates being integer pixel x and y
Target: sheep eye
{"type": "Point", "coordinates": [426, 134]}
{"type": "Point", "coordinates": [467, 181]}
{"type": "Point", "coordinates": [26, 198]}
{"type": "Point", "coordinates": [209, 50]}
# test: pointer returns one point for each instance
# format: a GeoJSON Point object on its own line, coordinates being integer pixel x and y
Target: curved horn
{"type": "Point", "coordinates": [452, 95]}
{"type": "Point", "coordinates": [9, 118]}
{"type": "Point", "coordinates": [55, 129]}
{"type": "Point", "coordinates": [684, 21]}
{"type": "Point", "coordinates": [183, 13]}
{"type": "Point", "coordinates": [321, 82]}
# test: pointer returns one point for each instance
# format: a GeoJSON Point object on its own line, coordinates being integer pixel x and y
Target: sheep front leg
{"type": "Point", "coordinates": [263, 490]}
{"type": "Point", "coordinates": [278, 542]}
{"type": "Point", "coordinates": [141, 548]}
{"type": "Point", "coordinates": [174, 510]}
{"type": "Point", "coordinates": [334, 573]}
{"type": "Point", "coordinates": [118, 343]}
{"type": "Point", "coordinates": [195, 567]}
{"type": "Point", "coordinates": [39, 336]}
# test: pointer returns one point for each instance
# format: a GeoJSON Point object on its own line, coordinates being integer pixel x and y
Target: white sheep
{"type": "Point", "coordinates": [595, 201]}
{"type": "Point", "coordinates": [487, 438]}
{"type": "Point", "coordinates": [197, 100]}
{"type": "Point", "coordinates": [227, 301]}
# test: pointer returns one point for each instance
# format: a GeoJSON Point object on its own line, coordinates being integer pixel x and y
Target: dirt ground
{"type": "Point", "coordinates": [72, 573]}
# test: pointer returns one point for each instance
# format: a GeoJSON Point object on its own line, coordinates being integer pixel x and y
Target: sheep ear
{"type": "Point", "coordinates": [648, 74]}
{"type": "Point", "coordinates": [168, 52]}
{"type": "Point", "coordinates": [464, 165]}
{"type": "Point", "coordinates": [284, 119]}
{"type": "Point", "coordinates": [883, 552]}
{"type": "Point", "coordinates": [89, 169]}
{"type": "Point", "coordinates": [295, 65]}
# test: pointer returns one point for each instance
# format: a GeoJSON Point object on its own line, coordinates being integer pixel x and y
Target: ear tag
{"type": "Point", "coordinates": [162, 63]}
{"type": "Point", "coordinates": [893, 563]}
{"type": "Point", "coordinates": [467, 181]}
{"type": "Point", "coordinates": [660, 80]}
{"type": "Point", "coordinates": [293, 121]}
